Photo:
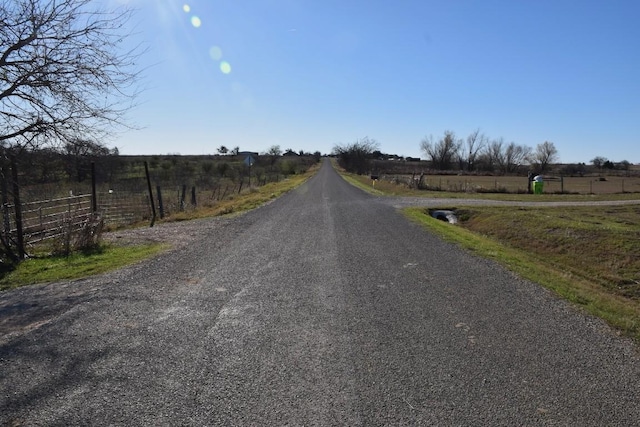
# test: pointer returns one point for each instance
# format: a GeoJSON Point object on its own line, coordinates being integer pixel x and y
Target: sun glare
{"type": "Point", "coordinates": [225, 67]}
{"type": "Point", "coordinates": [215, 53]}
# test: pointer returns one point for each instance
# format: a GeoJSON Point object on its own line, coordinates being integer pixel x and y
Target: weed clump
{"type": "Point", "coordinates": [83, 238]}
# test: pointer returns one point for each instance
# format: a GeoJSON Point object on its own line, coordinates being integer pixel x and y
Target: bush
{"type": "Point", "coordinates": [287, 167]}
{"type": "Point", "coordinates": [356, 157]}
{"type": "Point", "coordinates": [86, 238]}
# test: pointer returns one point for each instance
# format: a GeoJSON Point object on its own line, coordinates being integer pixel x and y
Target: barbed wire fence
{"type": "Point", "coordinates": [87, 208]}
{"type": "Point", "coordinates": [35, 213]}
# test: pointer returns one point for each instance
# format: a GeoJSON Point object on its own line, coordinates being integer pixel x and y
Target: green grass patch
{"type": "Point", "coordinates": [367, 185]}
{"type": "Point", "coordinates": [77, 265]}
{"type": "Point", "coordinates": [588, 255]}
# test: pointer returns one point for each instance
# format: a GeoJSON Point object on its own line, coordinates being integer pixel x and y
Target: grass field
{"type": "Point", "coordinates": [392, 188]}
{"type": "Point", "coordinates": [518, 184]}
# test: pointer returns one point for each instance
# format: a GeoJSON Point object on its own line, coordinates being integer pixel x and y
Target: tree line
{"type": "Point", "coordinates": [477, 153]}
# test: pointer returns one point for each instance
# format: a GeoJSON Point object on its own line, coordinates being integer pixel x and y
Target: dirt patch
{"type": "Point", "coordinates": [30, 307]}
{"type": "Point", "coordinates": [177, 234]}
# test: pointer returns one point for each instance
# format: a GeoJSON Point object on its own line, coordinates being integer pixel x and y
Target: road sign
{"type": "Point", "coordinates": [249, 160]}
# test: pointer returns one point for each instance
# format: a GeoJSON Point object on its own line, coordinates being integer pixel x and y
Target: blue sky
{"type": "Point", "coordinates": [308, 75]}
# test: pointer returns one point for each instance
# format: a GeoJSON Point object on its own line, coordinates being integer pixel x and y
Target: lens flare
{"type": "Point", "coordinates": [196, 22]}
{"type": "Point", "coordinates": [186, 8]}
{"type": "Point", "coordinates": [215, 53]}
{"type": "Point", "coordinates": [225, 67]}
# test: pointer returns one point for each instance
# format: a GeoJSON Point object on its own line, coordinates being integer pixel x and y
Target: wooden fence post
{"type": "Point", "coordinates": [193, 196]}
{"type": "Point", "coordinates": [94, 196]}
{"type": "Point", "coordinates": [18, 207]}
{"type": "Point", "coordinates": [153, 206]}
{"type": "Point", "coordinates": [183, 195]}
{"type": "Point", "coordinates": [5, 204]}
{"type": "Point", "coordinates": [160, 204]}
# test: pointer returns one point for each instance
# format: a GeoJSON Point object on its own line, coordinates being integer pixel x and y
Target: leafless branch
{"type": "Point", "coordinates": [64, 71]}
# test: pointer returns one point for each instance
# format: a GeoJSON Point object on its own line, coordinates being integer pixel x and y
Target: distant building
{"type": "Point", "coordinates": [248, 153]}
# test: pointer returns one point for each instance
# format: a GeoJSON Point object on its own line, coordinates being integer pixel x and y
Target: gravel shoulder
{"type": "Point", "coordinates": [30, 307]}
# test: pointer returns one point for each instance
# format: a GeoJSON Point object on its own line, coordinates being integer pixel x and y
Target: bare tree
{"type": "Point", "coordinates": [599, 161]}
{"type": "Point", "coordinates": [64, 73]}
{"type": "Point", "coordinates": [274, 150]}
{"type": "Point", "coordinates": [513, 157]}
{"type": "Point", "coordinates": [491, 155]}
{"type": "Point", "coordinates": [505, 158]}
{"type": "Point", "coordinates": [624, 165]}
{"type": "Point", "coordinates": [443, 152]}
{"type": "Point", "coordinates": [545, 154]}
{"type": "Point", "coordinates": [223, 150]}
{"type": "Point", "coordinates": [494, 154]}
{"type": "Point", "coordinates": [475, 143]}
{"type": "Point", "coordinates": [356, 157]}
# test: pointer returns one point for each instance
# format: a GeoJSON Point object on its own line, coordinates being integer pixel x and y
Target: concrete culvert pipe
{"type": "Point", "coordinates": [444, 215]}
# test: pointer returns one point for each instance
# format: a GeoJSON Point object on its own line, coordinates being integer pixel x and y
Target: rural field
{"type": "Point", "coordinates": [518, 184]}
{"type": "Point", "coordinates": [52, 188]}
{"type": "Point", "coordinates": [49, 261]}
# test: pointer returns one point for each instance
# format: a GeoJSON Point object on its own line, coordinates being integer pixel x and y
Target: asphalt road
{"type": "Point", "coordinates": [325, 307]}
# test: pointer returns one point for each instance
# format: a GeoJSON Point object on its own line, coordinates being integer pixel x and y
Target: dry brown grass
{"type": "Point", "coordinates": [588, 255]}
{"type": "Point", "coordinates": [597, 244]}
{"type": "Point", "coordinates": [484, 187]}
{"type": "Point", "coordinates": [518, 184]}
